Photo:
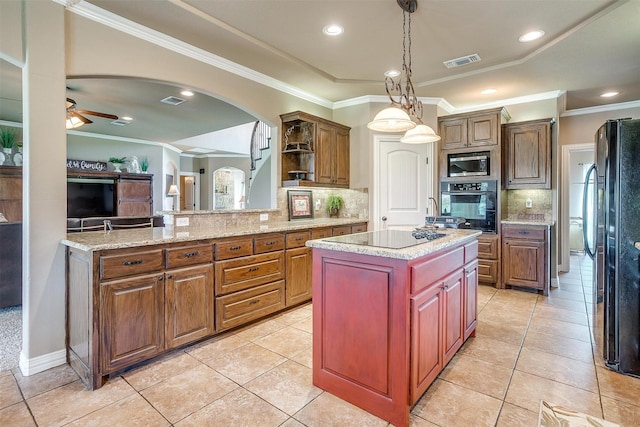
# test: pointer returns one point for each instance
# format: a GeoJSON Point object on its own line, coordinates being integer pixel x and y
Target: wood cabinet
{"type": "Point", "coordinates": [11, 193]}
{"type": "Point", "coordinates": [373, 346]}
{"type": "Point", "coordinates": [477, 129]}
{"type": "Point", "coordinates": [489, 259]}
{"type": "Point", "coordinates": [127, 305]}
{"type": "Point", "coordinates": [525, 256]}
{"type": "Point", "coordinates": [131, 320]}
{"type": "Point", "coordinates": [134, 195]}
{"type": "Point", "coordinates": [527, 154]}
{"type": "Point", "coordinates": [315, 151]}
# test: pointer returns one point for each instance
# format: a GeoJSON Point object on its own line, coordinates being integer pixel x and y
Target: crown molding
{"type": "Point", "coordinates": [123, 139]}
{"type": "Point", "coordinates": [118, 23]}
{"type": "Point", "coordinates": [601, 109]}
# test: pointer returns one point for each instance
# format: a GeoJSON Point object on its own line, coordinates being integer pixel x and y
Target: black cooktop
{"type": "Point", "coordinates": [392, 239]}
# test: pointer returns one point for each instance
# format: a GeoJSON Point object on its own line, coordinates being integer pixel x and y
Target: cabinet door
{"type": "Point", "coordinates": [523, 263]}
{"type": "Point", "coordinates": [426, 338]}
{"type": "Point", "coordinates": [325, 154]}
{"type": "Point", "coordinates": [341, 162]}
{"type": "Point", "coordinates": [189, 305]}
{"type": "Point", "coordinates": [470, 298]}
{"type": "Point", "coordinates": [11, 193]}
{"type": "Point", "coordinates": [134, 198]}
{"type": "Point", "coordinates": [298, 279]}
{"type": "Point", "coordinates": [527, 156]}
{"type": "Point", "coordinates": [483, 130]}
{"type": "Point", "coordinates": [453, 133]}
{"type": "Point", "coordinates": [453, 315]}
{"type": "Point", "coordinates": [131, 320]}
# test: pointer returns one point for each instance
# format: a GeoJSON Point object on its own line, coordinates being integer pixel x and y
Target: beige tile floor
{"type": "Point", "coordinates": [527, 348]}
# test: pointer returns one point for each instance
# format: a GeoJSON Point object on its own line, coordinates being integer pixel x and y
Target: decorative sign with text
{"type": "Point", "coordinates": [86, 165]}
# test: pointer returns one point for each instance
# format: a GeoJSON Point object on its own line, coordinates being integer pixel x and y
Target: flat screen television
{"type": "Point", "coordinates": [89, 198]}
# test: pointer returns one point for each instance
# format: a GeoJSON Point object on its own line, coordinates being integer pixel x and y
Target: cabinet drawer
{"type": "Point", "coordinates": [524, 233]}
{"type": "Point", "coordinates": [244, 306]}
{"type": "Point", "coordinates": [297, 240]}
{"type": "Point", "coordinates": [269, 243]}
{"type": "Point", "coordinates": [189, 255]}
{"type": "Point", "coordinates": [359, 228]}
{"type": "Point", "coordinates": [488, 247]}
{"type": "Point", "coordinates": [341, 231]}
{"type": "Point", "coordinates": [427, 272]}
{"type": "Point", "coordinates": [234, 248]}
{"type": "Point", "coordinates": [243, 273]}
{"type": "Point", "coordinates": [321, 233]}
{"type": "Point", "coordinates": [113, 266]}
{"type": "Point", "coordinates": [487, 271]}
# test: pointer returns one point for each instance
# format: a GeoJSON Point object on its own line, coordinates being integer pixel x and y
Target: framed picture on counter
{"type": "Point", "coordinates": [300, 204]}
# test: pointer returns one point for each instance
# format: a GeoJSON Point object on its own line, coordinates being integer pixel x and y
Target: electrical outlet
{"type": "Point", "coordinates": [318, 204]}
{"type": "Point", "coordinates": [264, 217]}
{"type": "Point", "coordinates": [528, 203]}
{"type": "Point", "coordinates": [182, 221]}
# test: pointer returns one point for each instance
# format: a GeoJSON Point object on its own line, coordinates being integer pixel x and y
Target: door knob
{"type": "Point", "coordinates": [384, 218]}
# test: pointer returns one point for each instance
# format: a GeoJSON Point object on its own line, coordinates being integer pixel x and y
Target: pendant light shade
{"type": "Point", "coordinates": [391, 119]}
{"type": "Point", "coordinates": [420, 134]}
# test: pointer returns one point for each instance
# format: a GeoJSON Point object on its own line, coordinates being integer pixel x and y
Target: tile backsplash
{"type": "Point", "coordinates": [356, 201]}
{"type": "Point", "coordinates": [541, 204]}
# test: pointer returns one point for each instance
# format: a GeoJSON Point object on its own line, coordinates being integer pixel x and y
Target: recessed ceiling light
{"type": "Point", "coordinates": [531, 36]}
{"type": "Point", "coordinates": [127, 118]}
{"type": "Point", "coordinates": [186, 93]}
{"type": "Point", "coordinates": [392, 73]}
{"type": "Point", "coordinates": [333, 30]}
{"type": "Point", "coordinates": [609, 94]}
{"type": "Point", "coordinates": [489, 91]}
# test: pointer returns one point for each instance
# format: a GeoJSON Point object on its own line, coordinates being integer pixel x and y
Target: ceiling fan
{"type": "Point", "coordinates": [75, 119]}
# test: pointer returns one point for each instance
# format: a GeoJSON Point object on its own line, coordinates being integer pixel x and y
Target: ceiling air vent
{"type": "Point", "coordinates": [464, 60]}
{"type": "Point", "coordinates": [173, 100]}
{"type": "Point", "coordinates": [120, 122]}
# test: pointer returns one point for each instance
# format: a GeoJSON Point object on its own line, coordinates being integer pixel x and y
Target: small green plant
{"type": "Point", "coordinates": [144, 164]}
{"type": "Point", "coordinates": [7, 137]}
{"type": "Point", "coordinates": [118, 160]}
{"type": "Point", "coordinates": [334, 203]}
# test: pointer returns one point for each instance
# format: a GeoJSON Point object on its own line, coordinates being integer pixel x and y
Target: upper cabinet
{"type": "Point", "coordinates": [527, 154]}
{"type": "Point", "coordinates": [315, 151]}
{"type": "Point", "coordinates": [477, 129]}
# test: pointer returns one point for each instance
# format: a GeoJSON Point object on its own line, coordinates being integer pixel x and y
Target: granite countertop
{"type": "Point", "coordinates": [453, 237]}
{"type": "Point", "coordinates": [545, 222]}
{"type": "Point", "coordinates": [117, 239]}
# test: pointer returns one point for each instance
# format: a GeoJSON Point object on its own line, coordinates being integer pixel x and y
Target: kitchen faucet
{"type": "Point", "coordinates": [435, 214]}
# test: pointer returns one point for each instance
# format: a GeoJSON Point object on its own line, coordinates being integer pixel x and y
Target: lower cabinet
{"type": "Point", "coordinates": [525, 257]}
{"type": "Point", "coordinates": [241, 307]}
{"type": "Point", "coordinates": [131, 320]}
{"type": "Point", "coordinates": [298, 275]}
{"type": "Point", "coordinates": [489, 259]}
{"type": "Point", "coordinates": [470, 299]}
{"type": "Point", "coordinates": [189, 305]}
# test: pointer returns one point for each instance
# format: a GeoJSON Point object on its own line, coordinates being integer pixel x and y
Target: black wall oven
{"type": "Point", "coordinates": [473, 201]}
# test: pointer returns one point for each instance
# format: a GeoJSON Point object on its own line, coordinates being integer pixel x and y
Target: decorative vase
{"type": "Point", "coordinates": [17, 158]}
{"type": "Point", "coordinates": [116, 167]}
{"type": "Point", "coordinates": [8, 161]}
{"type": "Point", "coordinates": [334, 213]}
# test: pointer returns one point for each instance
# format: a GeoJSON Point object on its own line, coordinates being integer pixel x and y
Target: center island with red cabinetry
{"type": "Point", "coordinates": [389, 312]}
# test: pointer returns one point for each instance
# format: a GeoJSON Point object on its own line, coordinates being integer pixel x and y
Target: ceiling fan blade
{"type": "Point", "coordinates": [70, 103]}
{"type": "Point", "coordinates": [97, 114]}
{"type": "Point", "coordinates": [82, 118]}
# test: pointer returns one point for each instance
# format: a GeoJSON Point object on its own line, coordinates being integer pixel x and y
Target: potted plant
{"type": "Point", "coordinates": [144, 164]}
{"type": "Point", "coordinates": [7, 139]}
{"type": "Point", "coordinates": [117, 162]}
{"type": "Point", "coordinates": [334, 204]}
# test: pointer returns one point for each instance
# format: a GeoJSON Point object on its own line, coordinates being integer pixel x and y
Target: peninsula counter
{"type": "Point", "coordinates": [386, 320]}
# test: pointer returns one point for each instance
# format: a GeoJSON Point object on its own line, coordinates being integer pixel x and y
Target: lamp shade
{"type": "Point", "coordinates": [420, 134]}
{"type": "Point", "coordinates": [173, 190]}
{"type": "Point", "coordinates": [391, 119]}
{"type": "Point", "coordinates": [73, 122]}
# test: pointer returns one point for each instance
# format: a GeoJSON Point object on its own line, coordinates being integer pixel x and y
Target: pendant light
{"type": "Point", "coordinates": [398, 117]}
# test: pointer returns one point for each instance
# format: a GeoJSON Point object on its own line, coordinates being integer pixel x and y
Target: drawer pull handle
{"type": "Point", "coordinates": [235, 248]}
{"type": "Point", "coordinates": [524, 232]}
{"type": "Point", "coordinates": [135, 262]}
{"type": "Point", "coordinates": [254, 302]}
{"type": "Point", "coordinates": [270, 243]}
{"type": "Point", "coordinates": [191, 254]}
{"type": "Point", "coordinates": [252, 269]}
{"type": "Point", "coordinates": [298, 239]}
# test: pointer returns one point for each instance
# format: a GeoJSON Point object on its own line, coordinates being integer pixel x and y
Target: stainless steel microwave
{"type": "Point", "coordinates": [468, 164]}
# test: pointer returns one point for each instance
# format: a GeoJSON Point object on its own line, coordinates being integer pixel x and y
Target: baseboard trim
{"type": "Point", "coordinates": [42, 363]}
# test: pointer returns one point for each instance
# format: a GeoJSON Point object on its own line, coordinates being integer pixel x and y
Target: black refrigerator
{"type": "Point", "coordinates": [612, 239]}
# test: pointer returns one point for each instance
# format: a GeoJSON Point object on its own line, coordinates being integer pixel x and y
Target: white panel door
{"type": "Point", "coordinates": [403, 182]}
